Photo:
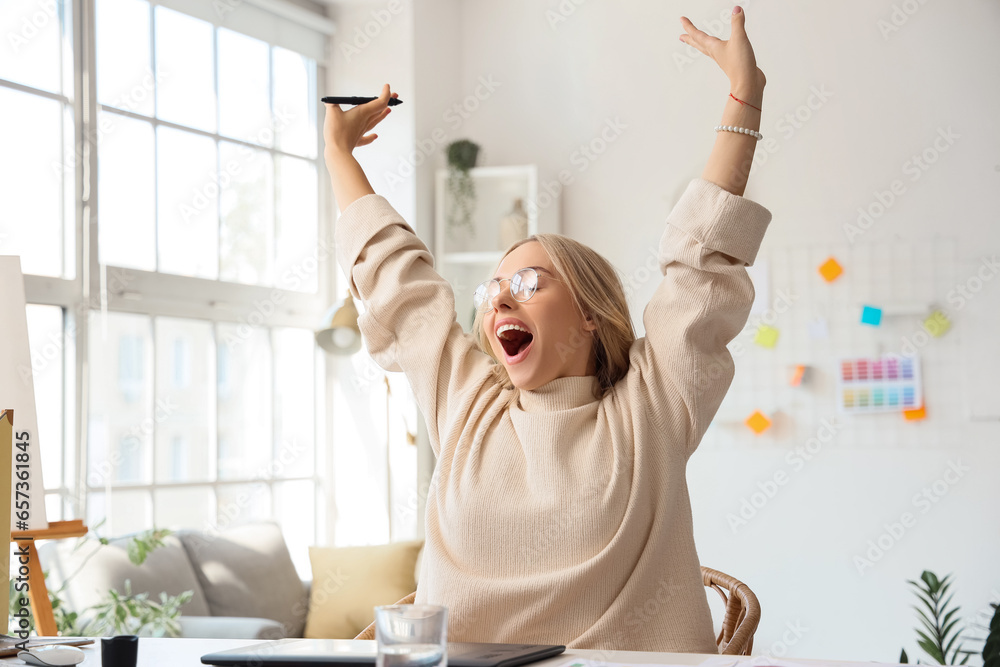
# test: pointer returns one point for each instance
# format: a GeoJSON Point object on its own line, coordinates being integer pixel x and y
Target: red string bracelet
{"type": "Point", "coordinates": [742, 102]}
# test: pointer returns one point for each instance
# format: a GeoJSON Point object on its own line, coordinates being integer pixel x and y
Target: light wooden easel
{"type": "Point", "coordinates": [38, 593]}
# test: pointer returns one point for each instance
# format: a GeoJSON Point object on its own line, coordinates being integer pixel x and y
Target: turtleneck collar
{"type": "Point", "coordinates": [560, 394]}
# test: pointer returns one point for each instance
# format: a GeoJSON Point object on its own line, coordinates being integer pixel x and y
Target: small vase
{"type": "Point", "coordinates": [514, 226]}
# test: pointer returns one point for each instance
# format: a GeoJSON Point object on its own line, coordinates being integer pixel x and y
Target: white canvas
{"type": "Point", "coordinates": [17, 389]}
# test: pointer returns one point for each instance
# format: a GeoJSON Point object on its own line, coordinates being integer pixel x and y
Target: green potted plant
{"type": "Point", "coordinates": [121, 612]}
{"type": "Point", "coordinates": [941, 637]}
{"type": "Point", "coordinates": [462, 155]}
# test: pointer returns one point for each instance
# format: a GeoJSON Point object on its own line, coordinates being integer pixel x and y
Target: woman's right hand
{"type": "Point", "coordinates": [343, 131]}
{"type": "Point", "coordinates": [734, 56]}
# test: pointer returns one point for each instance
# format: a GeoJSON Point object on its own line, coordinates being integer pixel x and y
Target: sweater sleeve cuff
{"type": "Point", "coordinates": [720, 220]}
{"type": "Point", "coordinates": [357, 225]}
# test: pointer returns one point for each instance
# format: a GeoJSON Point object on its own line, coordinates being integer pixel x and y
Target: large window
{"type": "Point", "coordinates": [160, 180]}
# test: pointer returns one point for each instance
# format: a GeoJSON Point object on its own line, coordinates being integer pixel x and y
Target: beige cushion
{"type": "Point", "coordinates": [247, 571]}
{"type": "Point", "coordinates": [349, 582]}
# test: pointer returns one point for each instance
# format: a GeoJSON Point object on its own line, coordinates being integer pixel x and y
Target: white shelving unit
{"type": "Point", "coordinates": [466, 256]}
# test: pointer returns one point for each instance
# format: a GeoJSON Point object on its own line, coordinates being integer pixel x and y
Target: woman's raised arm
{"type": "Point", "coordinates": [712, 234]}
{"type": "Point", "coordinates": [729, 163]}
{"type": "Point", "coordinates": [409, 321]}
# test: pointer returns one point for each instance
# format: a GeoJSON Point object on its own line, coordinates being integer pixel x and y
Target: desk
{"type": "Point", "coordinates": [188, 652]}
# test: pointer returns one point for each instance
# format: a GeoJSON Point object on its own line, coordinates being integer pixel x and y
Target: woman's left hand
{"type": "Point", "coordinates": [735, 56]}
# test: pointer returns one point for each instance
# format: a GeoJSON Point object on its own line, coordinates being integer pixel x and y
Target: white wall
{"type": "Point", "coordinates": [558, 83]}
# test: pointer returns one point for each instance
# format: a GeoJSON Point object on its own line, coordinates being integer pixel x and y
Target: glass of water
{"type": "Point", "coordinates": [412, 635]}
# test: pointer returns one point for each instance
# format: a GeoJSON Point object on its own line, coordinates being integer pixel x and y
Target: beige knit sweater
{"type": "Point", "coordinates": [563, 518]}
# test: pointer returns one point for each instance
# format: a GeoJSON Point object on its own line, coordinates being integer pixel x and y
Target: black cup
{"type": "Point", "coordinates": [120, 651]}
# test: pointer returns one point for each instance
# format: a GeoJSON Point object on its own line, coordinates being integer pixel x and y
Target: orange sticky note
{"type": "Point", "coordinates": [797, 375]}
{"type": "Point", "coordinates": [915, 415]}
{"type": "Point", "coordinates": [757, 422]}
{"type": "Point", "coordinates": [830, 270]}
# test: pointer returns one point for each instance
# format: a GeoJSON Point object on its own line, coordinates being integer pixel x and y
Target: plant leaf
{"type": "Point", "coordinates": [930, 607]}
{"type": "Point", "coordinates": [930, 625]}
{"type": "Point", "coordinates": [931, 649]}
{"type": "Point", "coordinates": [948, 628]}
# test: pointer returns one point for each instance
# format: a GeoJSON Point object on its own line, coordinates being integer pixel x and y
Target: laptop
{"type": "Point", "coordinates": [351, 653]}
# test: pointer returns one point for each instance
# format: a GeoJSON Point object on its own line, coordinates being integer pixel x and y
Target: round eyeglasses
{"type": "Point", "coordinates": [522, 287]}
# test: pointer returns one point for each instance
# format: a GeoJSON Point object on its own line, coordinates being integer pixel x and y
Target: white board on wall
{"type": "Point", "coordinates": [17, 388]}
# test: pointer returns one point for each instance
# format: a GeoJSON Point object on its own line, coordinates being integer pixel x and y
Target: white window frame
{"type": "Point", "coordinates": [97, 287]}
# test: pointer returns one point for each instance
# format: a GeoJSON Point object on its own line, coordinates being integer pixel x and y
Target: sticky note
{"type": "Point", "coordinates": [757, 422]}
{"type": "Point", "coordinates": [766, 336]}
{"type": "Point", "coordinates": [937, 324]}
{"type": "Point", "coordinates": [818, 328]}
{"type": "Point", "coordinates": [830, 270]}
{"type": "Point", "coordinates": [915, 415]}
{"type": "Point", "coordinates": [871, 315]}
{"type": "Point", "coordinates": [798, 373]}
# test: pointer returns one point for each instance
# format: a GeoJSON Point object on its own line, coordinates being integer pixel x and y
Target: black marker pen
{"type": "Point", "coordinates": [393, 101]}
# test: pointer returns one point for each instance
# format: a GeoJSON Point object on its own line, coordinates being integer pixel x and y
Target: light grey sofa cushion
{"type": "Point", "coordinates": [247, 571]}
{"type": "Point", "coordinates": [94, 569]}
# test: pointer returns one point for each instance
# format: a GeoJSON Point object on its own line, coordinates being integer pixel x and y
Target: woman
{"type": "Point", "coordinates": [560, 512]}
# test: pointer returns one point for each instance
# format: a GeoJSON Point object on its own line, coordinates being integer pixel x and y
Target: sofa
{"type": "Point", "coordinates": [244, 583]}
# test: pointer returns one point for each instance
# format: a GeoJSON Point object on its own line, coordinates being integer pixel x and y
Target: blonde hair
{"type": "Point", "coordinates": [597, 290]}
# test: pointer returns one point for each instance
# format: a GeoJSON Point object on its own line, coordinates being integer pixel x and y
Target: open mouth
{"type": "Point", "coordinates": [515, 340]}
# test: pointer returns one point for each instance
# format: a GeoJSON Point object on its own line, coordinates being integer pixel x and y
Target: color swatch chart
{"type": "Point", "coordinates": [884, 384]}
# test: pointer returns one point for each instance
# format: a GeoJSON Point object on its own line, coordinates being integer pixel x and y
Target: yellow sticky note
{"type": "Point", "coordinates": [766, 336]}
{"type": "Point", "coordinates": [757, 422]}
{"type": "Point", "coordinates": [830, 270]}
{"type": "Point", "coordinates": [937, 324]}
{"type": "Point", "coordinates": [915, 415]}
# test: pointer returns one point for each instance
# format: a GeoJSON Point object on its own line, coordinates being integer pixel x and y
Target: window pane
{"type": "Point", "coordinates": [72, 156]}
{"type": "Point", "coordinates": [31, 181]}
{"type": "Point", "coordinates": [295, 364]}
{"type": "Point", "coordinates": [188, 199]}
{"type": "Point", "coordinates": [185, 378]}
{"type": "Point", "coordinates": [296, 225]}
{"type": "Point", "coordinates": [122, 415]}
{"type": "Point", "coordinates": [295, 512]}
{"type": "Point", "coordinates": [246, 431]}
{"type": "Point", "coordinates": [242, 503]}
{"type": "Point", "coordinates": [32, 32]}
{"type": "Point", "coordinates": [184, 508]}
{"type": "Point", "coordinates": [45, 339]}
{"type": "Point", "coordinates": [244, 76]}
{"type": "Point", "coordinates": [184, 68]}
{"type": "Point", "coordinates": [126, 185]}
{"type": "Point", "coordinates": [124, 73]}
{"type": "Point", "coordinates": [295, 102]}
{"type": "Point", "coordinates": [129, 512]}
{"type": "Point", "coordinates": [247, 237]}
{"type": "Point", "coordinates": [53, 507]}
{"type": "Point", "coordinates": [360, 470]}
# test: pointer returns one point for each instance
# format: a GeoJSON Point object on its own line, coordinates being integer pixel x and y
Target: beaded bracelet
{"type": "Point", "coordinates": [742, 130]}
